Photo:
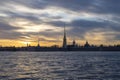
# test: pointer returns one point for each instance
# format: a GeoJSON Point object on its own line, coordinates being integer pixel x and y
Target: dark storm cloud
{"type": "Point", "coordinates": [56, 23]}
{"type": "Point", "coordinates": [10, 35]}
{"type": "Point", "coordinates": [109, 7]}
{"type": "Point", "coordinates": [97, 6]}
{"type": "Point", "coordinates": [36, 4]}
{"type": "Point", "coordinates": [83, 26]}
{"type": "Point", "coordinates": [8, 32]}
{"type": "Point", "coordinates": [27, 16]}
{"type": "Point", "coordinates": [102, 6]}
{"type": "Point", "coordinates": [89, 25]}
{"type": "Point", "coordinates": [4, 26]}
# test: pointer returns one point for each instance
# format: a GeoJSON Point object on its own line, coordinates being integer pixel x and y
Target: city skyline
{"type": "Point", "coordinates": [24, 22]}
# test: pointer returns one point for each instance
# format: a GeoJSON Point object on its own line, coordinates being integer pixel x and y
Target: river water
{"type": "Point", "coordinates": [59, 65]}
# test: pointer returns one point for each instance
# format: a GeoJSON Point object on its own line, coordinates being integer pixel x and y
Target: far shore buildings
{"type": "Point", "coordinates": [65, 47]}
{"type": "Point", "coordinates": [74, 45]}
{"type": "Point", "coordinates": [64, 43]}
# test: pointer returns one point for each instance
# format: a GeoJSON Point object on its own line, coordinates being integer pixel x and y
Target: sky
{"type": "Point", "coordinates": [24, 21]}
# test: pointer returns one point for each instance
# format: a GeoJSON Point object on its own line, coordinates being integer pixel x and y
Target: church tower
{"type": "Point", "coordinates": [74, 43]}
{"type": "Point", "coordinates": [64, 38]}
{"type": "Point", "coordinates": [38, 43]}
{"type": "Point", "coordinates": [86, 44]}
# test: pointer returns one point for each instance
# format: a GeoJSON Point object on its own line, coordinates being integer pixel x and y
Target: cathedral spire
{"type": "Point", "coordinates": [64, 38]}
{"type": "Point", "coordinates": [38, 42]}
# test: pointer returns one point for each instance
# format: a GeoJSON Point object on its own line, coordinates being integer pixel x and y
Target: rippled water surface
{"type": "Point", "coordinates": [59, 65]}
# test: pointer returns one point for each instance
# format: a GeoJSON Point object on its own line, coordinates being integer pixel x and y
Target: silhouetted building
{"type": "Point", "coordinates": [27, 45]}
{"type": "Point", "coordinates": [38, 43]}
{"type": "Point", "coordinates": [74, 44]}
{"type": "Point", "coordinates": [64, 39]}
{"type": "Point", "coordinates": [86, 44]}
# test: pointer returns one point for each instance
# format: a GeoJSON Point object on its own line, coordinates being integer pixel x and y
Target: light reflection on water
{"type": "Point", "coordinates": [59, 65]}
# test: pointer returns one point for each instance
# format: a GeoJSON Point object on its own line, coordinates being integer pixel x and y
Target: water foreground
{"type": "Point", "coordinates": [59, 65]}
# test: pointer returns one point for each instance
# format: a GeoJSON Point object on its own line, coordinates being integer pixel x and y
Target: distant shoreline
{"type": "Point", "coordinates": [69, 48]}
{"type": "Point", "coordinates": [62, 50]}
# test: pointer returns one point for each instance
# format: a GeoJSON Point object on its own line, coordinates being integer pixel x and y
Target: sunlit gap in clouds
{"type": "Point", "coordinates": [28, 27]}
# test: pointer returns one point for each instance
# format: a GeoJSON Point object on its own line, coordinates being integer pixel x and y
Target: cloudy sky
{"type": "Point", "coordinates": [23, 21]}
